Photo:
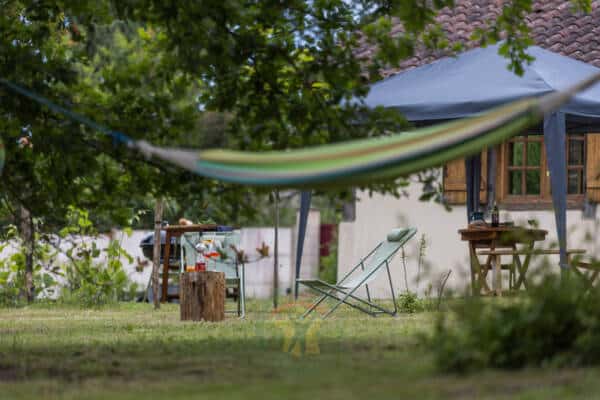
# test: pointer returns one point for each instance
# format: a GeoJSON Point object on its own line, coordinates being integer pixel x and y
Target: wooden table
{"type": "Point", "coordinates": [493, 238]}
{"type": "Point", "coordinates": [177, 231]}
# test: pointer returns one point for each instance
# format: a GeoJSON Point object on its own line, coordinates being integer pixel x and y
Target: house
{"type": "Point", "coordinates": [522, 188]}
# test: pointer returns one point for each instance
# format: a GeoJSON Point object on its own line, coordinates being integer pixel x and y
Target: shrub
{"type": "Point", "coordinates": [328, 264]}
{"type": "Point", "coordinates": [556, 322]}
{"type": "Point", "coordinates": [94, 276]}
{"type": "Point", "coordinates": [12, 270]}
{"type": "Point", "coordinates": [410, 303]}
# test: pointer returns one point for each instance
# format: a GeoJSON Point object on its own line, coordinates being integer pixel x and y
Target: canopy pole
{"type": "Point", "coordinates": [556, 148]}
{"type": "Point", "coordinates": [276, 252]}
{"type": "Point", "coordinates": [305, 198]}
{"type": "Point", "coordinates": [492, 164]}
{"type": "Point", "coordinates": [473, 177]}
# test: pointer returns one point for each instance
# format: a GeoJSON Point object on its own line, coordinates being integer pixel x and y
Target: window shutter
{"type": "Point", "coordinates": [455, 185]}
{"type": "Point", "coordinates": [592, 169]}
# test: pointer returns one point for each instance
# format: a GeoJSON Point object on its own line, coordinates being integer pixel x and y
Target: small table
{"type": "Point", "coordinates": [493, 238]}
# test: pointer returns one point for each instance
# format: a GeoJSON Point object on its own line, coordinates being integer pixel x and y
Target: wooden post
{"type": "Point", "coordinates": [166, 265]}
{"type": "Point", "coordinates": [28, 236]}
{"type": "Point", "coordinates": [158, 211]}
{"type": "Point", "coordinates": [202, 296]}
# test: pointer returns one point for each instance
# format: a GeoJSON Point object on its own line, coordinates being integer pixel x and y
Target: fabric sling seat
{"type": "Point", "coordinates": [361, 275]}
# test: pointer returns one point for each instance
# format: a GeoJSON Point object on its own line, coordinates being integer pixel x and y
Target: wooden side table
{"type": "Point", "coordinates": [202, 296]}
{"type": "Point", "coordinates": [493, 238]}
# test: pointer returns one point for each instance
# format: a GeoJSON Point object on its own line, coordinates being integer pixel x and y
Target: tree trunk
{"type": "Point", "coordinates": [28, 237]}
{"type": "Point", "coordinates": [158, 211]}
{"type": "Point", "coordinates": [276, 253]}
{"type": "Point", "coordinates": [202, 296]}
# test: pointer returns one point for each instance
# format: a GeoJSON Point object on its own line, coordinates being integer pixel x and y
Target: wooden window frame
{"type": "Point", "coordinates": [579, 167]}
{"type": "Point", "coordinates": [543, 201]}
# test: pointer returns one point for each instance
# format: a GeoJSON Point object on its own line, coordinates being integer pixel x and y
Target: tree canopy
{"type": "Point", "coordinates": [251, 75]}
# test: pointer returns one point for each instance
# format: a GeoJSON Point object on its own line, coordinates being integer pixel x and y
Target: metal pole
{"type": "Point", "coordinates": [305, 198]}
{"type": "Point", "coordinates": [158, 211]}
{"type": "Point", "coordinates": [276, 252]}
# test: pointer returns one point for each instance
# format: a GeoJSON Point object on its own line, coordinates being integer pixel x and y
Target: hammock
{"type": "Point", "coordinates": [354, 162]}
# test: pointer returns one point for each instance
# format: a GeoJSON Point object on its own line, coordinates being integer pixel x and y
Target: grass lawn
{"type": "Point", "coordinates": [133, 352]}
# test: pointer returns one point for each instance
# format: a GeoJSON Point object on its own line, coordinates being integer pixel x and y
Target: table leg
{"type": "Point", "coordinates": [165, 280]}
{"type": "Point", "coordinates": [478, 274]}
{"type": "Point", "coordinates": [475, 271]}
{"type": "Point", "coordinates": [523, 267]}
{"type": "Point", "coordinates": [496, 275]}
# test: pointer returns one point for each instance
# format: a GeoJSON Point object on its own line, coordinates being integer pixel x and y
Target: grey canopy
{"type": "Point", "coordinates": [477, 80]}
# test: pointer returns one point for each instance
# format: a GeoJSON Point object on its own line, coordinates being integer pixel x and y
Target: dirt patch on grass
{"type": "Point", "coordinates": [10, 373]}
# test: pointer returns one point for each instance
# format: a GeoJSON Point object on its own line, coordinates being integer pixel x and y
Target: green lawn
{"type": "Point", "coordinates": [131, 352]}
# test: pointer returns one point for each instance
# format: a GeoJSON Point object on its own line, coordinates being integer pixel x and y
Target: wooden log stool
{"type": "Point", "coordinates": [202, 296]}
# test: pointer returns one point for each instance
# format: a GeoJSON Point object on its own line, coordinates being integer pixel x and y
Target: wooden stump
{"type": "Point", "coordinates": [202, 296]}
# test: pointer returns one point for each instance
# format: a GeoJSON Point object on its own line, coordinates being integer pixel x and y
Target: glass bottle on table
{"type": "Point", "coordinates": [495, 216]}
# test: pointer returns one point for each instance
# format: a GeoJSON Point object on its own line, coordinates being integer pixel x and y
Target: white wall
{"type": "Point", "coordinates": [309, 268]}
{"type": "Point", "coordinates": [377, 215]}
{"type": "Point", "coordinates": [259, 275]}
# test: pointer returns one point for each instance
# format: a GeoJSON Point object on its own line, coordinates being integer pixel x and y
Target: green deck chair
{"type": "Point", "coordinates": [234, 273]}
{"type": "Point", "coordinates": [343, 291]}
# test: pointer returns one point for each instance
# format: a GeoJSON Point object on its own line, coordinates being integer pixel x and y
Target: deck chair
{"type": "Point", "coordinates": [235, 280]}
{"type": "Point", "coordinates": [344, 290]}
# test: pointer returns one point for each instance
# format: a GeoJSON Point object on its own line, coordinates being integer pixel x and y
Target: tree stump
{"type": "Point", "coordinates": [202, 296]}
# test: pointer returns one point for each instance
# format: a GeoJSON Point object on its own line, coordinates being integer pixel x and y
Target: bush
{"type": "Point", "coordinates": [410, 303]}
{"type": "Point", "coordinates": [328, 264]}
{"type": "Point", "coordinates": [94, 276]}
{"type": "Point", "coordinates": [556, 322]}
{"type": "Point", "coordinates": [12, 270]}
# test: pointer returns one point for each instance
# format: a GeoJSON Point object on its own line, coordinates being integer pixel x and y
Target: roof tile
{"type": "Point", "coordinates": [553, 24]}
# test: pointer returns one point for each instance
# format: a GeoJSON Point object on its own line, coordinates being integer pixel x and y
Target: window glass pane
{"type": "Point", "coordinates": [516, 153]}
{"type": "Point", "coordinates": [574, 182]}
{"type": "Point", "coordinates": [575, 152]}
{"type": "Point", "coordinates": [534, 157]}
{"type": "Point", "coordinates": [532, 181]}
{"type": "Point", "coordinates": [515, 180]}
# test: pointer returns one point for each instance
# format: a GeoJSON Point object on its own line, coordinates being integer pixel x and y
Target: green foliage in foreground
{"type": "Point", "coordinates": [557, 323]}
{"type": "Point", "coordinates": [132, 352]}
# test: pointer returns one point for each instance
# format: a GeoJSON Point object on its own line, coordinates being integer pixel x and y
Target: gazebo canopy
{"type": "Point", "coordinates": [477, 80]}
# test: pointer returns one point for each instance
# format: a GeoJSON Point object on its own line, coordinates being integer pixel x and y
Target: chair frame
{"type": "Point", "coordinates": [348, 293]}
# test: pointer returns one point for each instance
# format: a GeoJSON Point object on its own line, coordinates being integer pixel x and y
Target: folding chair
{"type": "Point", "coordinates": [343, 291]}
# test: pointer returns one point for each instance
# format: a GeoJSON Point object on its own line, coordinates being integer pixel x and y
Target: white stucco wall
{"type": "Point", "coordinates": [309, 268]}
{"type": "Point", "coordinates": [259, 275]}
{"type": "Point", "coordinates": [377, 215]}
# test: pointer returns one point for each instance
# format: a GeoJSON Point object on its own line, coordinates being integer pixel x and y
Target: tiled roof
{"type": "Point", "coordinates": [554, 26]}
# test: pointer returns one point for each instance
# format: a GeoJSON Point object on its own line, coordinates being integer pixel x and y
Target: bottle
{"type": "Point", "coordinates": [495, 216]}
{"type": "Point", "coordinates": [200, 263]}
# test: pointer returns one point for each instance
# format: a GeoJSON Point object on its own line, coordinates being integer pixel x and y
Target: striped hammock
{"type": "Point", "coordinates": [354, 162]}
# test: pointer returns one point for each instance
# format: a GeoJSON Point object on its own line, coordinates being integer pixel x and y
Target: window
{"type": "Point", "coordinates": [527, 176]}
{"type": "Point", "coordinates": [525, 166]}
{"type": "Point", "coordinates": [575, 164]}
